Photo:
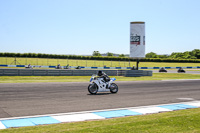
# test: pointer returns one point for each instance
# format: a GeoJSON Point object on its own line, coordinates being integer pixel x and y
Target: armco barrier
{"type": "Point", "coordinates": [137, 73]}
{"type": "Point", "coordinates": [68, 72]}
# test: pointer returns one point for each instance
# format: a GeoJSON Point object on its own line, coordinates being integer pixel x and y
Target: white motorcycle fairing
{"type": "Point", "coordinates": [102, 85]}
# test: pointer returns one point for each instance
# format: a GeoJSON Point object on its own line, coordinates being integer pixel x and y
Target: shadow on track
{"type": "Point", "coordinates": [101, 94]}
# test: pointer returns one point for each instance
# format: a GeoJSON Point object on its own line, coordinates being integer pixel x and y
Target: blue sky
{"type": "Point", "coordinates": [83, 26]}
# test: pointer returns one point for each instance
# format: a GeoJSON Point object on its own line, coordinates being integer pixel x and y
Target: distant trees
{"type": "Point", "coordinates": [151, 55]}
{"type": "Point", "coordinates": [121, 55]}
{"type": "Point", "coordinates": [188, 56]}
{"type": "Point", "coordinates": [109, 54]}
{"type": "Point", "coordinates": [194, 54]}
{"type": "Point", "coordinates": [154, 55]}
{"type": "Point", "coordinates": [96, 53]}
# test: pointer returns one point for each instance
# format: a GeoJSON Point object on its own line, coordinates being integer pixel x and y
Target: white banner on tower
{"type": "Point", "coordinates": [137, 40]}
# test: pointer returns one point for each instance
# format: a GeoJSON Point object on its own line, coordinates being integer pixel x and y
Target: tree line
{"type": "Point", "coordinates": [189, 56]}
{"type": "Point", "coordinates": [97, 53]}
{"type": "Point", "coordinates": [194, 54]}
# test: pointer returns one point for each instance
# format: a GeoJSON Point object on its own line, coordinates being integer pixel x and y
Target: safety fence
{"type": "Point", "coordinates": [63, 62]}
{"type": "Point", "coordinates": [87, 63]}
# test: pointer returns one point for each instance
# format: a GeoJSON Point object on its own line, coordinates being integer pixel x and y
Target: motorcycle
{"type": "Point", "coordinates": [97, 84]}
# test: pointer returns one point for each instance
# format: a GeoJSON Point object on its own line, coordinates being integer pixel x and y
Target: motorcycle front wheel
{"type": "Point", "coordinates": [113, 88]}
{"type": "Point", "coordinates": [93, 89]}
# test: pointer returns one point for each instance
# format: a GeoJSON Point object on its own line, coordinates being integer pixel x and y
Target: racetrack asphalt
{"type": "Point", "coordinates": [26, 99]}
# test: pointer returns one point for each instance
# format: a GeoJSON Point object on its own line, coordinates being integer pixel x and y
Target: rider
{"type": "Point", "coordinates": [104, 76]}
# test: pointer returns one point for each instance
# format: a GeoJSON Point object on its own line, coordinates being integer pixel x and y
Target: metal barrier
{"type": "Point", "coordinates": [66, 72]}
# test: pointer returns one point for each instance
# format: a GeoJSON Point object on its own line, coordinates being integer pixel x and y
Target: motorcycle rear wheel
{"type": "Point", "coordinates": [93, 89]}
{"type": "Point", "coordinates": [113, 88]}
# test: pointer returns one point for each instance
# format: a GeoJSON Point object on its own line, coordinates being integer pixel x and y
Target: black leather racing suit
{"type": "Point", "coordinates": [105, 77]}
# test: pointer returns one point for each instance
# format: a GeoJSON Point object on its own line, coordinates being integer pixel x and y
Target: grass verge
{"type": "Point", "coordinates": [94, 63]}
{"type": "Point", "coordinates": [39, 79]}
{"type": "Point", "coordinates": [169, 122]}
{"type": "Point", "coordinates": [192, 70]}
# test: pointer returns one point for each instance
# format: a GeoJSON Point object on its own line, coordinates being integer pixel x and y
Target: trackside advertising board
{"type": "Point", "coordinates": [137, 40]}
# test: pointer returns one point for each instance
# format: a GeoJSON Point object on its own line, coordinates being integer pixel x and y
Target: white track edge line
{"type": "Point", "coordinates": [82, 112]}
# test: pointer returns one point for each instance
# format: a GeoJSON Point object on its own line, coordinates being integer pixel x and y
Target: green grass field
{"type": "Point", "coordinates": [182, 121]}
{"type": "Point", "coordinates": [94, 63]}
{"type": "Point", "coordinates": [31, 79]}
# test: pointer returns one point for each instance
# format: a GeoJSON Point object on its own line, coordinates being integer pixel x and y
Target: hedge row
{"type": "Point", "coordinates": [113, 58]}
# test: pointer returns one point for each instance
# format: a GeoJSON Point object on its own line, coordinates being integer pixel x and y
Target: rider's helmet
{"type": "Point", "coordinates": [100, 73]}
